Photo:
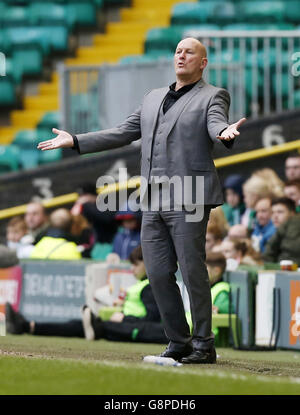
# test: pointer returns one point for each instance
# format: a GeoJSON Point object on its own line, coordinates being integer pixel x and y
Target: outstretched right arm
{"type": "Point", "coordinates": [125, 133]}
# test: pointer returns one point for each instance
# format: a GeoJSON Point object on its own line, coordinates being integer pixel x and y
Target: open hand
{"type": "Point", "coordinates": [63, 140]}
{"type": "Point", "coordinates": [232, 131]}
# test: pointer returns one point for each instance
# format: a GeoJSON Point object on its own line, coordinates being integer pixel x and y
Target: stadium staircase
{"type": "Point", "coordinates": [40, 112]}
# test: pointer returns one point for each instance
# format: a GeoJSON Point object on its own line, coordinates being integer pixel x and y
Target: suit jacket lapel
{"type": "Point", "coordinates": [181, 103]}
{"type": "Point", "coordinates": [158, 99]}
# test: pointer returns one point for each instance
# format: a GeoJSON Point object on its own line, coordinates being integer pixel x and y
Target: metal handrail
{"type": "Point", "coordinates": [134, 182]}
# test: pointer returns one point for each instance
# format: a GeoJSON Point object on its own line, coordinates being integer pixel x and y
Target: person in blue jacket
{"type": "Point", "coordinates": [128, 236]}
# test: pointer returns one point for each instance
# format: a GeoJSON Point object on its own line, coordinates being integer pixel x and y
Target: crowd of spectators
{"type": "Point", "coordinates": [258, 223]}
{"type": "Point", "coordinates": [71, 234]}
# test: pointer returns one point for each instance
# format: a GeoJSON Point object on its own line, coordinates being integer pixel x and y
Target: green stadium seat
{"type": "Point", "coordinates": [285, 80]}
{"type": "Point", "coordinates": [83, 12]}
{"type": "Point", "coordinates": [27, 141]}
{"type": "Point", "coordinates": [297, 98]}
{"type": "Point", "coordinates": [7, 91]}
{"type": "Point", "coordinates": [15, 16]}
{"type": "Point", "coordinates": [57, 36]}
{"type": "Point", "coordinates": [100, 251]}
{"type": "Point", "coordinates": [50, 156]}
{"type": "Point", "coordinates": [292, 11]}
{"type": "Point", "coordinates": [26, 138]}
{"type": "Point", "coordinates": [47, 13]}
{"type": "Point", "coordinates": [20, 36]}
{"type": "Point", "coordinates": [50, 120]}
{"type": "Point", "coordinates": [192, 13]}
{"type": "Point", "coordinates": [9, 158]}
{"type": "Point", "coordinates": [165, 38]}
{"type": "Point", "coordinates": [14, 71]}
{"type": "Point", "coordinates": [29, 59]}
{"type": "Point", "coordinates": [264, 11]}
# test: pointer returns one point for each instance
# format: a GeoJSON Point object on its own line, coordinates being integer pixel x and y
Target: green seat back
{"type": "Point", "coordinates": [264, 11]}
{"type": "Point", "coordinates": [29, 60]}
{"type": "Point", "coordinates": [15, 16]}
{"type": "Point", "coordinates": [9, 158]}
{"type": "Point", "coordinates": [7, 91]}
{"type": "Point", "coordinates": [50, 120]}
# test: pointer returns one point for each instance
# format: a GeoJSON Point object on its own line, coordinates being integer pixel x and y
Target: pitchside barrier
{"type": "Point", "coordinates": [265, 303]}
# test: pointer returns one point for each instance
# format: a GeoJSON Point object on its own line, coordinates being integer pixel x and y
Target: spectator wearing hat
{"type": "Point", "coordinates": [234, 207]}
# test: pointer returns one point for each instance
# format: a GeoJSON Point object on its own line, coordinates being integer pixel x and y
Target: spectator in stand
{"type": "Point", "coordinates": [238, 232]}
{"type": "Point", "coordinates": [262, 183]}
{"type": "Point", "coordinates": [284, 244]}
{"type": "Point", "coordinates": [214, 236]}
{"type": "Point", "coordinates": [58, 242]}
{"type": "Point", "coordinates": [218, 218]}
{"type": "Point", "coordinates": [292, 167]}
{"type": "Point", "coordinates": [282, 209]}
{"type": "Point", "coordinates": [292, 191]}
{"type": "Point", "coordinates": [17, 237]}
{"type": "Point", "coordinates": [239, 252]}
{"type": "Point", "coordinates": [264, 227]}
{"type": "Point", "coordinates": [8, 257]}
{"type": "Point", "coordinates": [36, 220]}
{"type": "Point", "coordinates": [128, 236]}
{"type": "Point", "coordinates": [234, 206]}
{"type": "Point", "coordinates": [103, 223]}
{"type": "Point", "coordinates": [83, 235]}
{"type": "Point", "coordinates": [273, 181]}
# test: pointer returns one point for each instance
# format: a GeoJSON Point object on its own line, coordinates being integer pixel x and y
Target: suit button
{"type": "Point", "coordinates": [148, 158]}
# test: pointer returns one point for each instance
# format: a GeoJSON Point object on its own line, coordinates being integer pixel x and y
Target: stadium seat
{"type": "Point", "coordinates": [263, 11]}
{"type": "Point", "coordinates": [50, 120]}
{"type": "Point", "coordinates": [15, 16]}
{"type": "Point", "coordinates": [84, 13]}
{"type": "Point", "coordinates": [193, 13]}
{"type": "Point", "coordinates": [48, 12]}
{"type": "Point", "coordinates": [163, 38]}
{"type": "Point", "coordinates": [292, 11]}
{"type": "Point", "coordinates": [27, 141]}
{"type": "Point", "coordinates": [28, 59]}
{"type": "Point", "coordinates": [50, 156]}
{"type": "Point", "coordinates": [7, 91]}
{"type": "Point", "coordinates": [9, 158]}
{"type": "Point", "coordinates": [14, 71]}
{"type": "Point", "coordinates": [20, 36]}
{"type": "Point", "coordinates": [100, 251]}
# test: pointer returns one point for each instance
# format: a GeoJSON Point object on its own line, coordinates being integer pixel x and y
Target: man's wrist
{"type": "Point", "coordinates": [75, 143]}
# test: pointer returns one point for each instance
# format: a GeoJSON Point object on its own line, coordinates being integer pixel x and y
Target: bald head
{"type": "Point", "coordinates": [61, 219]}
{"type": "Point", "coordinates": [190, 59]}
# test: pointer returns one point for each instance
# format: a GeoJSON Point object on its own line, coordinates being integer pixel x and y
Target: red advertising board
{"type": "Point", "coordinates": [10, 287]}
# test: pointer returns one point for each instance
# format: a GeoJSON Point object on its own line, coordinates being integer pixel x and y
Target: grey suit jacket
{"type": "Point", "coordinates": [198, 117]}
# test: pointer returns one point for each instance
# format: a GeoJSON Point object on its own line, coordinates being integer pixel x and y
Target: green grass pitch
{"type": "Point", "coordinates": [62, 366]}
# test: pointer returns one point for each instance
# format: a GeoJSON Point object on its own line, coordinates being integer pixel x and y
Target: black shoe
{"type": "Point", "coordinates": [177, 354]}
{"type": "Point", "coordinates": [92, 325]}
{"type": "Point", "coordinates": [15, 322]}
{"type": "Point", "coordinates": [200, 356]}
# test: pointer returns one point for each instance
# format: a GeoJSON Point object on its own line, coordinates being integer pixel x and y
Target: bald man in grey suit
{"type": "Point", "coordinates": [178, 126]}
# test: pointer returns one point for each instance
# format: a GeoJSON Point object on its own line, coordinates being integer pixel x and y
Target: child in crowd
{"type": "Point", "coordinates": [18, 238]}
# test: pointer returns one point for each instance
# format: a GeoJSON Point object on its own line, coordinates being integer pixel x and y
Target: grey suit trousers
{"type": "Point", "coordinates": [167, 238]}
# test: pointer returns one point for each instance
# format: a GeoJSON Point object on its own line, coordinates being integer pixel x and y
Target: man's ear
{"type": "Point", "coordinates": [204, 63]}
